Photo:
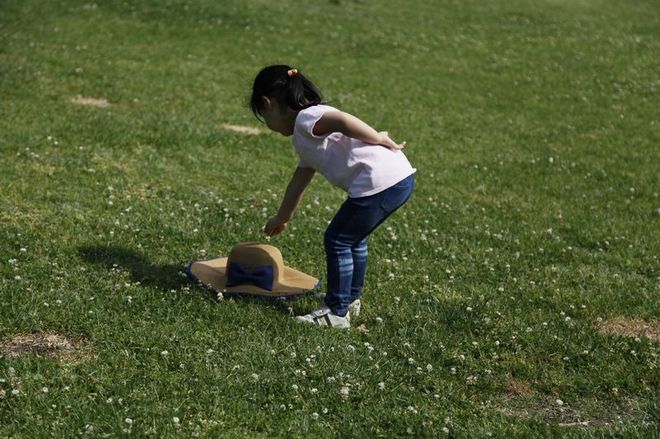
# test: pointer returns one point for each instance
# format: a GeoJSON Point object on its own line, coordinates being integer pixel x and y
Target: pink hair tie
{"type": "Point", "coordinates": [292, 73]}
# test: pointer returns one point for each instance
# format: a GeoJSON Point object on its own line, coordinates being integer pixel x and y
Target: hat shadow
{"type": "Point", "coordinates": [166, 277]}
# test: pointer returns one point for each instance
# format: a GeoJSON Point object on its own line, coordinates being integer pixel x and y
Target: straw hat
{"type": "Point", "coordinates": [254, 269]}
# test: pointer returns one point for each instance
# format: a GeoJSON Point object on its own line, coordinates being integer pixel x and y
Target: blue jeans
{"type": "Point", "coordinates": [346, 241]}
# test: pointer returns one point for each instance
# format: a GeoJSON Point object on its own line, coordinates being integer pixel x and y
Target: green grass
{"type": "Point", "coordinates": [534, 128]}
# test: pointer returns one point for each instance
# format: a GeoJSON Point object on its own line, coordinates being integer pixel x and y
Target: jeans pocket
{"type": "Point", "coordinates": [390, 202]}
{"type": "Point", "coordinates": [395, 197]}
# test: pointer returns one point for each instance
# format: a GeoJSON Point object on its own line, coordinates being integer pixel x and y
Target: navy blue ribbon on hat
{"type": "Point", "coordinates": [238, 274]}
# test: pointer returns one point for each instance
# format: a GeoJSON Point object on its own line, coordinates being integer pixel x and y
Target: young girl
{"type": "Point", "coordinates": [368, 165]}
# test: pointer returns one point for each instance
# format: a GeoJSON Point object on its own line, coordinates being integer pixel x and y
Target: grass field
{"type": "Point", "coordinates": [516, 295]}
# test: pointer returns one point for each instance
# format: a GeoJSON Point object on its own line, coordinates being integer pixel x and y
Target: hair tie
{"type": "Point", "coordinates": [292, 73]}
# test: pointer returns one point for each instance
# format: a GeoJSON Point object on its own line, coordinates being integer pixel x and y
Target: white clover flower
{"type": "Point", "coordinates": [15, 392]}
{"type": "Point", "coordinates": [381, 385]}
{"type": "Point", "coordinates": [315, 416]}
{"type": "Point", "coordinates": [254, 376]}
{"type": "Point", "coordinates": [429, 367]}
{"type": "Point", "coordinates": [175, 420]}
{"type": "Point", "coordinates": [164, 353]}
{"type": "Point", "coordinates": [344, 392]}
{"type": "Point", "coordinates": [44, 389]}
{"type": "Point", "coordinates": [129, 421]}
{"type": "Point", "coordinates": [314, 391]}
{"type": "Point", "coordinates": [559, 402]}
{"type": "Point", "coordinates": [294, 387]}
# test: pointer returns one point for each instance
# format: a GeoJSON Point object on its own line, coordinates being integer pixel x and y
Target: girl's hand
{"type": "Point", "coordinates": [274, 226]}
{"type": "Point", "coordinates": [386, 141]}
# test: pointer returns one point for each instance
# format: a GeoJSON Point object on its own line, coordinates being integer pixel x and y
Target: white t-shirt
{"type": "Point", "coordinates": [359, 168]}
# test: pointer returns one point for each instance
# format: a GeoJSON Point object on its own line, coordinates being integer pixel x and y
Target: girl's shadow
{"type": "Point", "coordinates": [166, 277]}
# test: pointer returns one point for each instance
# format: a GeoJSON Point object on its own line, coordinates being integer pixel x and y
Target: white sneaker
{"type": "Point", "coordinates": [325, 317]}
{"type": "Point", "coordinates": [354, 308]}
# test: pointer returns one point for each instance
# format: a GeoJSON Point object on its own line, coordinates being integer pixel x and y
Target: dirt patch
{"type": "Point", "coordinates": [630, 327]}
{"type": "Point", "coordinates": [45, 344]}
{"type": "Point", "coordinates": [242, 129]}
{"type": "Point", "coordinates": [580, 413]}
{"type": "Point", "coordinates": [94, 102]}
{"type": "Point", "coordinates": [517, 388]}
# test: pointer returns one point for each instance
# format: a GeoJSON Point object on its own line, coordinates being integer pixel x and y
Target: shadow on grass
{"type": "Point", "coordinates": [141, 269]}
{"type": "Point", "coordinates": [166, 277]}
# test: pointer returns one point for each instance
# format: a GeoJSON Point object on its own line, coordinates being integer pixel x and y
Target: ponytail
{"type": "Point", "coordinates": [289, 87]}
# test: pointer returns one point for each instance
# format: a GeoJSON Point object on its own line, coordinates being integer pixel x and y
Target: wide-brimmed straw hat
{"type": "Point", "coordinates": [254, 269]}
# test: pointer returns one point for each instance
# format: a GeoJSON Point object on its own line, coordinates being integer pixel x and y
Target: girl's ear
{"type": "Point", "coordinates": [267, 102]}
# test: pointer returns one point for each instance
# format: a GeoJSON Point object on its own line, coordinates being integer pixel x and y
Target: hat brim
{"type": "Point", "coordinates": [213, 274]}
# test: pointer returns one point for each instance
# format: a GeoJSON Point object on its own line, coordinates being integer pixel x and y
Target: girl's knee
{"type": "Point", "coordinates": [333, 243]}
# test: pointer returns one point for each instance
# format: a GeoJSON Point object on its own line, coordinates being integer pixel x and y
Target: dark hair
{"type": "Point", "coordinates": [291, 90]}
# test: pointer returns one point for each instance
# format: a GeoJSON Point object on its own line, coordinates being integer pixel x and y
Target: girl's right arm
{"type": "Point", "coordinates": [292, 196]}
{"type": "Point", "coordinates": [351, 126]}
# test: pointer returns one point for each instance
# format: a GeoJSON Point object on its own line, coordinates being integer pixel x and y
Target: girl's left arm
{"type": "Point", "coordinates": [294, 191]}
{"type": "Point", "coordinates": [351, 126]}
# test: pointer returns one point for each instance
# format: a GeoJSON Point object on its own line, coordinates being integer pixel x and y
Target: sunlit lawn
{"type": "Point", "coordinates": [515, 295]}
